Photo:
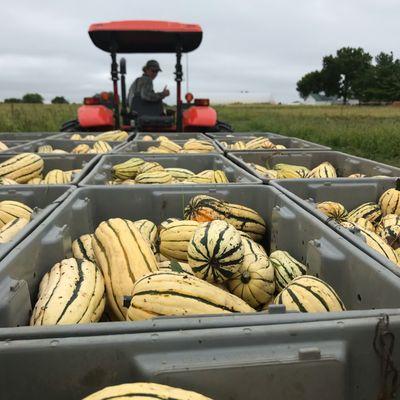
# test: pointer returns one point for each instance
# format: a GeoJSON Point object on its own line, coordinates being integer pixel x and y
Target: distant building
{"type": "Point", "coordinates": [315, 99]}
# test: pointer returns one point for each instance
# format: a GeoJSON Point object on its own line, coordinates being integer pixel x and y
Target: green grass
{"type": "Point", "coordinates": [371, 132]}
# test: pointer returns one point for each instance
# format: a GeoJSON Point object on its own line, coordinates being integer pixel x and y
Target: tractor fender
{"type": "Point", "coordinates": [199, 116]}
{"type": "Point", "coordinates": [95, 116]}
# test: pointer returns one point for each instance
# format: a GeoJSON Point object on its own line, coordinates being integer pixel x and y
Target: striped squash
{"type": "Point", "coordinates": [124, 256]}
{"type": "Point", "coordinates": [369, 211]}
{"type": "Point", "coordinates": [11, 229]}
{"type": "Point", "coordinates": [309, 294]}
{"type": "Point", "coordinates": [150, 167]}
{"type": "Point", "coordinates": [46, 148]}
{"type": "Point", "coordinates": [82, 248]}
{"type": "Point", "coordinates": [389, 202]}
{"type": "Point", "coordinates": [157, 177]}
{"type": "Point", "coordinates": [110, 136]}
{"type": "Point", "coordinates": [239, 145]}
{"type": "Point", "coordinates": [35, 181]}
{"type": "Point", "coordinates": [7, 181]}
{"type": "Point", "coordinates": [144, 391]}
{"type": "Point", "coordinates": [55, 177]}
{"type": "Point", "coordinates": [324, 170]}
{"type": "Point", "coordinates": [286, 268]}
{"type": "Point", "coordinates": [81, 149]}
{"type": "Point", "coordinates": [246, 220]}
{"type": "Point", "coordinates": [171, 293]}
{"type": "Point", "coordinates": [180, 174]}
{"type": "Point", "coordinates": [378, 244]}
{"type": "Point", "coordinates": [258, 168]}
{"type": "Point", "coordinates": [127, 169]}
{"type": "Point", "coordinates": [391, 236]}
{"type": "Point", "coordinates": [10, 210]}
{"type": "Point", "coordinates": [259, 143]}
{"type": "Point", "coordinates": [254, 280]}
{"type": "Point", "coordinates": [203, 208]}
{"type": "Point", "coordinates": [390, 220]}
{"type": "Point", "coordinates": [332, 210]}
{"type": "Point", "coordinates": [199, 146]}
{"type": "Point", "coordinates": [3, 146]}
{"type": "Point", "coordinates": [22, 167]}
{"type": "Point", "coordinates": [169, 146]}
{"type": "Point", "coordinates": [75, 136]}
{"type": "Point", "coordinates": [71, 293]}
{"type": "Point", "coordinates": [215, 251]}
{"type": "Point", "coordinates": [358, 222]}
{"type": "Point", "coordinates": [148, 230]}
{"type": "Point", "coordinates": [165, 223]}
{"type": "Point", "coordinates": [219, 176]}
{"type": "Point", "coordinates": [175, 238]}
{"type": "Point", "coordinates": [101, 147]}
{"type": "Point", "coordinates": [201, 180]}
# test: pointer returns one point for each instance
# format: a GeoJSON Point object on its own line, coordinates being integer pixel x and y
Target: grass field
{"type": "Point", "coordinates": [371, 132]}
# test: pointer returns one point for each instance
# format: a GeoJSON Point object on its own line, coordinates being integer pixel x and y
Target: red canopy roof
{"type": "Point", "coordinates": [145, 36]}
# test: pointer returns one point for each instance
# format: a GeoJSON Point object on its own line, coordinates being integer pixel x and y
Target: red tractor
{"type": "Point", "coordinates": [106, 111]}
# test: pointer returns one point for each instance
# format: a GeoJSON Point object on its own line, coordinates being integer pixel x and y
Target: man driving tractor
{"type": "Point", "coordinates": [141, 97]}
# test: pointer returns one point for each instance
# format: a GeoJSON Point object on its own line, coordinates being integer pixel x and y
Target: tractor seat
{"type": "Point", "coordinates": [149, 121]}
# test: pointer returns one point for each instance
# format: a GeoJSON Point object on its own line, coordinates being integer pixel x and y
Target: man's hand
{"type": "Point", "coordinates": [165, 92]}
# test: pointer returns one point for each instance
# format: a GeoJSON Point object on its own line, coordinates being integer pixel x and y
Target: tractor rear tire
{"type": "Point", "coordinates": [223, 127]}
{"type": "Point", "coordinates": [70, 126]}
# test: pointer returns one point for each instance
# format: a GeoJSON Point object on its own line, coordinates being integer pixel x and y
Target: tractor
{"type": "Point", "coordinates": [106, 111]}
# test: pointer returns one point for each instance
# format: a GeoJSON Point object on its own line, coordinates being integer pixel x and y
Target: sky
{"type": "Point", "coordinates": [253, 50]}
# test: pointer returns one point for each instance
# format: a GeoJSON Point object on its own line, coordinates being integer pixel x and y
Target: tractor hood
{"type": "Point", "coordinates": [145, 36]}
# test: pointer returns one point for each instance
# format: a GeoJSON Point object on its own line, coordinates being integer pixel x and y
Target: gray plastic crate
{"type": "Point", "coordinates": [307, 192]}
{"type": "Point", "coordinates": [241, 135]}
{"type": "Point", "coordinates": [102, 172]}
{"type": "Point", "coordinates": [345, 164]}
{"type": "Point", "coordinates": [42, 199]}
{"type": "Point", "coordinates": [360, 281]}
{"type": "Point", "coordinates": [172, 135]}
{"type": "Point", "coordinates": [66, 145]}
{"type": "Point", "coordinates": [272, 357]}
{"type": "Point", "coordinates": [139, 146]}
{"type": "Point", "coordinates": [26, 135]}
{"type": "Point", "coordinates": [67, 135]}
{"type": "Point", "coordinates": [65, 162]}
{"type": "Point", "coordinates": [291, 143]}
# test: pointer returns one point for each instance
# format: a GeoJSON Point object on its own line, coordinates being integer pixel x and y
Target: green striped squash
{"type": "Point", "coordinates": [254, 280]}
{"type": "Point", "coordinates": [124, 256]}
{"type": "Point", "coordinates": [390, 200]}
{"type": "Point", "coordinates": [215, 251]}
{"type": "Point", "coordinates": [286, 268]}
{"type": "Point", "coordinates": [309, 294]}
{"type": "Point", "coordinates": [82, 248]}
{"type": "Point", "coordinates": [369, 211]}
{"type": "Point", "coordinates": [72, 292]}
{"type": "Point", "coordinates": [144, 391]}
{"type": "Point", "coordinates": [178, 294]}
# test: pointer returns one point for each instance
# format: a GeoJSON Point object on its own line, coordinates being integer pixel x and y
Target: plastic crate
{"type": "Point", "coordinates": [272, 357]}
{"type": "Point", "coordinates": [289, 142]}
{"type": "Point", "coordinates": [66, 145]}
{"type": "Point", "coordinates": [67, 135]}
{"type": "Point", "coordinates": [173, 135]}
{"type": "Point", "coordinates": [139, 146]}
{"type": "Point", "coordinates": [360, 281]}
{"type": "Point", "coordinates": [345, 164]}
{"type": "Point", "coordinates": [26, 135]}
{"type": "Point", "coordinates": [42, 199]}
{"type": "Point", "coordinates": [307, 193]}
{"type": "Point", "coordinates": [241, 135]}
{"type": "Point", "coordinates": [65, 162]}
{"type": "Point", "coordinates": [102, 172]}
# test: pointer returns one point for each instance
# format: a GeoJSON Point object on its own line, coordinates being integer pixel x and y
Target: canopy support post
{"type": "Point", "coordinates": [114, 78]}
{"type": "Point", "coordinates": [178, 79]}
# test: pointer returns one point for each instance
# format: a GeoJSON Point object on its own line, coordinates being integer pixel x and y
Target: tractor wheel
{"type": "Point", "coordinates": [223, 127]}
{"type": "Point", "coordinates": [70, 126]}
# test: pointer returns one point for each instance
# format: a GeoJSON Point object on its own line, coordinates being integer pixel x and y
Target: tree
{"type": "Point", "coordinates": [12, 100]}
{"type": "Point", "coordinates": [59, 100]}
{"type": "Point", "coordinates": [32, 98]}
{"type": "Point", "coordinates": [342, 74]}
{"type": "Point", "coordinates": [310, 83]}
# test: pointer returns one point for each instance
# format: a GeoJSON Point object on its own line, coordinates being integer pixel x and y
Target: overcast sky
{"type": "Point", "coordinates": [259, 46]}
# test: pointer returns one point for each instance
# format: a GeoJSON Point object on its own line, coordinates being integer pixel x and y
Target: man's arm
{"type": "Point", "coordinates": [147, 92]}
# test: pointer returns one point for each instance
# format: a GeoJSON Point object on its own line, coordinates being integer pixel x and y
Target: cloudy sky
{"type": "Point", "coordinates": [261, 47]}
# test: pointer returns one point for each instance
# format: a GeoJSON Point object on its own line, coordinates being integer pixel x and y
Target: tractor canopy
{"type": "Point", "coordinates": [145, 36]}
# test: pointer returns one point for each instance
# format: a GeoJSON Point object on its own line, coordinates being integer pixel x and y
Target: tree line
{"type": "Point", "coordinates": [36, 98]}
{"type": "Point", "coordinates": [353, 73]}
